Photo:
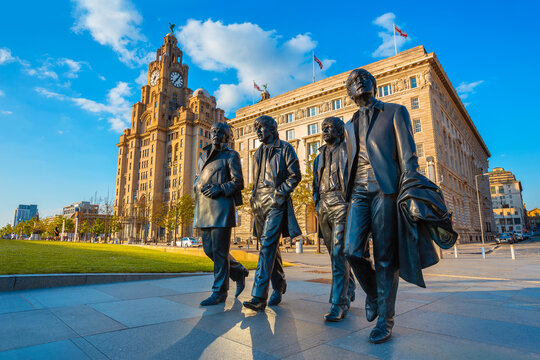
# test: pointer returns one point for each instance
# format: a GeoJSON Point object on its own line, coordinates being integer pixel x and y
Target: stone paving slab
{"type": "Point", "coordinates": [470, 309]}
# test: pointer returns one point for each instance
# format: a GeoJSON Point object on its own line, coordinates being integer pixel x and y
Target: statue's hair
{"type": "Point", "coordinates": [355, 74]}
{"type": "Point", "coordinates": [338, 124]}
{"type": "Point", "coordinates": [268, 121]}
{"type": "Point", "coordinates": [225, 127]}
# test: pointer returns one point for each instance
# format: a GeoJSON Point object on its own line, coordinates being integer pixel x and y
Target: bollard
{"type": "Point", "coordinates": [247, 244]}
{"type": "Point", "coordinates": [455, 251]}
{"type": "Point", "coordinates": [299, 247]}
{"type": "Point", "coordinates": [512, 252]}
{"type": "Point", "coordinates": [483, 253]}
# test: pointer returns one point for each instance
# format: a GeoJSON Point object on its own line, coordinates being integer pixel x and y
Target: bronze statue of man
{"type": "Point", "coordinates": [384, 191]}
{"type": "Point", "coordinates": [329, 193]}
{"type": "Point", "coordinates": [217, 188]}
{"type": "Point", "coordinates": [276, 173]}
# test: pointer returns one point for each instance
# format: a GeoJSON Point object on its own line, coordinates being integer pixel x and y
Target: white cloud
{"type": "Point", "coordinates": [60, 132]}
{"type": "Point", "coordinates": [387, 48]}
{"type": "Point", "coordinates": [6, 112]}
{"type": "Point", "coordinates": [113, 23]}
{"type": "Point", "coordinates": [142, 79]}
{"type": "Point", "coordinates": [465, 89]}
{"type": "Point", "coordinates": [253, 53]}
{"type": "Point", "coordinates": [117, 108]}
{"type": "Point", "coordinates": [49, 94]}
{"type": "Point", "coordinates": [74, 67]}
{"type": "Point", "coordinates": [2, 93]}
{"type": "Point", "coordinates": [5, 56]}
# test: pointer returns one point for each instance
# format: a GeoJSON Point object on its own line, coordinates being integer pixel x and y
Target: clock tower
{"type": "Point", "coordinates": [157, 155]}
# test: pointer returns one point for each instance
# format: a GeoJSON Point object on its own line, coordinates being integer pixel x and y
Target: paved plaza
{"type": "Point", "coordinates": [471, 309]}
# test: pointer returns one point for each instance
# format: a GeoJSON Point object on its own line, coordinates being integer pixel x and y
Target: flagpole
{"type": "Point", "coordinates": [395, 44]}
{"type": "Point", "coordinates": [253, 93]}
{"type": "Point", "coordinates": [313, 63]}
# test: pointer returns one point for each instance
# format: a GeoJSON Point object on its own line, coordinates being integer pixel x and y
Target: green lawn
{"type": "Point", "coordinates": [49, 257]}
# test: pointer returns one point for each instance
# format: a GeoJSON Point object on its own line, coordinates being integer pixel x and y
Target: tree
{"type": "Point", "coordinates": [84, 228]}
{"type": "Point", "coordinates": [158, 217]}
{"type": "Point", "coordinates": [303, 194]}
{"type": "Point", "coordinates": [6, 231]}
{"type": "Point", "coordinates": [186, 210]}
{"type": "Point", "coordinates": [98, 227]}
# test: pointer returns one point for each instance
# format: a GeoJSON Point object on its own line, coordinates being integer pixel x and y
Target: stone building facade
{"type": "Point", "coordinates": [450, 149]}
{"type": "Point", "coordinates": [157, 155]}
{"type": "Point", "coordinates": [507, 201]}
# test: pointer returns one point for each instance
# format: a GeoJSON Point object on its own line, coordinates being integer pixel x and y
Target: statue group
{"type": "Point", "coordinates": [366, 183]}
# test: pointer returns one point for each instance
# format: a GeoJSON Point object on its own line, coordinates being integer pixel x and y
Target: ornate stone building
{"type": "Point", "coordinates": [157, 155]}
{"type": "Point", "coordinates": [450, 149]}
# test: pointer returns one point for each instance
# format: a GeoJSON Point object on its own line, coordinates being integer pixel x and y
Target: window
{"type": "Point", "coordinates": [239, 220]}
{"type": "Point", "coordinates": [256, 143]}
{"type": "Point", "coordinates": [417, 126]}
{"type": "Point", "coordinates": [422, 170]}
{"type": "Point", "coordinates": [414, 103]}
{"type": "Point", "coordinates": [182, 131]}
{"type": "Point", "coordinates": [420, 150]}
{"type": "Point", "coordinates": [181, 142]}
{"type": "Point", "coordinates": [200, 143]}
{"type": "Point", "coordinates": [289, 135]}
{"type": "Point", "coordinates": [290, 117]}
{"type": "Point", "coordinates": [385, 90]}
{"type": "Point", "coordinates": [201, 131]}
{"type": "Point", "coordinates": [312, 111]}
{"type": "Point", "coordinates": [493, 190]}
{"type": "Point", "coordinates": [240, 132]}
{"type": "Point", "coordinates": [501, 189]}
{"type": "Point", "coordinates": [413, 82]}
{"type": "Point", "coordinates": [313, 129]}
{"type": "Point", "coordinates": [240, 146]}
{"type": "Point", "coordinates": [313, 148]}
{"type": "Point", "coordinates": [337, 104]}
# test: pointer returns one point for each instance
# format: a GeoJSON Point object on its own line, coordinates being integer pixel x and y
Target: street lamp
{"type": "Point", "coordinates": [480, 212]}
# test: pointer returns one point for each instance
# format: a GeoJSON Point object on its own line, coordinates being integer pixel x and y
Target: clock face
{"type": "Point", "coordinates": [177, 79]}
{"type": "Point", "coordinates": [154, 78]}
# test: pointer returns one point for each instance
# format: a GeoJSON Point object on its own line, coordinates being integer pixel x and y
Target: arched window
{"type": "Point", "coordinates": [176, 152]}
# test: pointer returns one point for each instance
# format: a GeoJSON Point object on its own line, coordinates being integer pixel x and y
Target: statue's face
{"type": "Point", "coordinates": [361, 88]}
{"type": "Point", "coordinates": [264, 133]}
{"type": "Point", "coordinates": [218, 135]}
{"type": "Point", "coordinates": [330, 133]}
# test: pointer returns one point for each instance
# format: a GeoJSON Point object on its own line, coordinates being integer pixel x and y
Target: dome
{"type": "Point", "coordinates": [202, 92]}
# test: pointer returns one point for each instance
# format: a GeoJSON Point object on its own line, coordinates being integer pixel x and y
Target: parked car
{"type": "Point", "coordinates": [188, 242]}
{"type": "Point", "coordinates": [518, 236]}
{"type": "Point", "coordinates": [504, 237]}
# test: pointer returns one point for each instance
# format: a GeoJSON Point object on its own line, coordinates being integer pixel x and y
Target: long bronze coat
{"type": "Point", "coordinates": [285, 176]}
{"type": "Point", "coordinates": [222, 168]}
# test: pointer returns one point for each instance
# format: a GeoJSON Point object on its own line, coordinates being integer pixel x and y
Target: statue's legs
{"type": "Point", "coordinates": [268, 224]}
{"type": "Point", "coordinates": [216, 245]}
{"type": "Point", "coordinates": [332, 217]}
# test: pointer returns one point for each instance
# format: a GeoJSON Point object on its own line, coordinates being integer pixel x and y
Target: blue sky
{"type": "Point", "coordinates": [70, 70]}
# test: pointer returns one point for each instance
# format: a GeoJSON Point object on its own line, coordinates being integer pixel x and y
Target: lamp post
{"type": "Point", "coordinates": [480, 213]}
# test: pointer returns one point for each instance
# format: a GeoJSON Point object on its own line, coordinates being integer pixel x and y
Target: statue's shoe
{"type": "Point", "coordinates": [336, 313]}
{"type": "Point", "coordinates": [371, 309]}
{"type": "Point", "coordinates": [255, 304]}
{"type": "Point", "coordinates": [214, 299]}
{"type": "Point", "coordinates": [241, 283]}
{"type": "Point", "coordinates": [382, 332]}
{"type": "Point", "coordinates": [275, 299]}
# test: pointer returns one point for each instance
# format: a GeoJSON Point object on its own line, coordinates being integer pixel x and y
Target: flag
{"type": "Point", "coordinates": [317, 61]}
{"type": "Point", "coordinates": [256, 86]}
{"type": "Point", "coordinates": [400, 32]}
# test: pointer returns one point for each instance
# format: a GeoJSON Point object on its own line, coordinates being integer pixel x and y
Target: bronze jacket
{"type": "Point", "coordinates": [389, 143]}
{"type": "Point", "coordinates": [285, 176]}
{"type": "Point", "coordinates": [223, 168]}
{"type": "Point", "coordinates": [423, 220]}
{"type": "Point", "coordinates": [319, 165]}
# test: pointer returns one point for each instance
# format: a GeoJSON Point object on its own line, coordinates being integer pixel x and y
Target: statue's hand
{"type": "Point", "coordinates": [212, 191]}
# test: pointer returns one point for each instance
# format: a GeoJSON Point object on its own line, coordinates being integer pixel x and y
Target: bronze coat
{"type": "Point", "coordinates": [285, 176]}
{"type": "Point", "coordinates": [223, 168]}
{"type": "Point", "coordinates": [389, 143]}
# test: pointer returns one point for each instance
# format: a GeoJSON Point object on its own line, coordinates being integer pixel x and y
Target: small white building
{"type": "Point", "coordinates": [507, 201]}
